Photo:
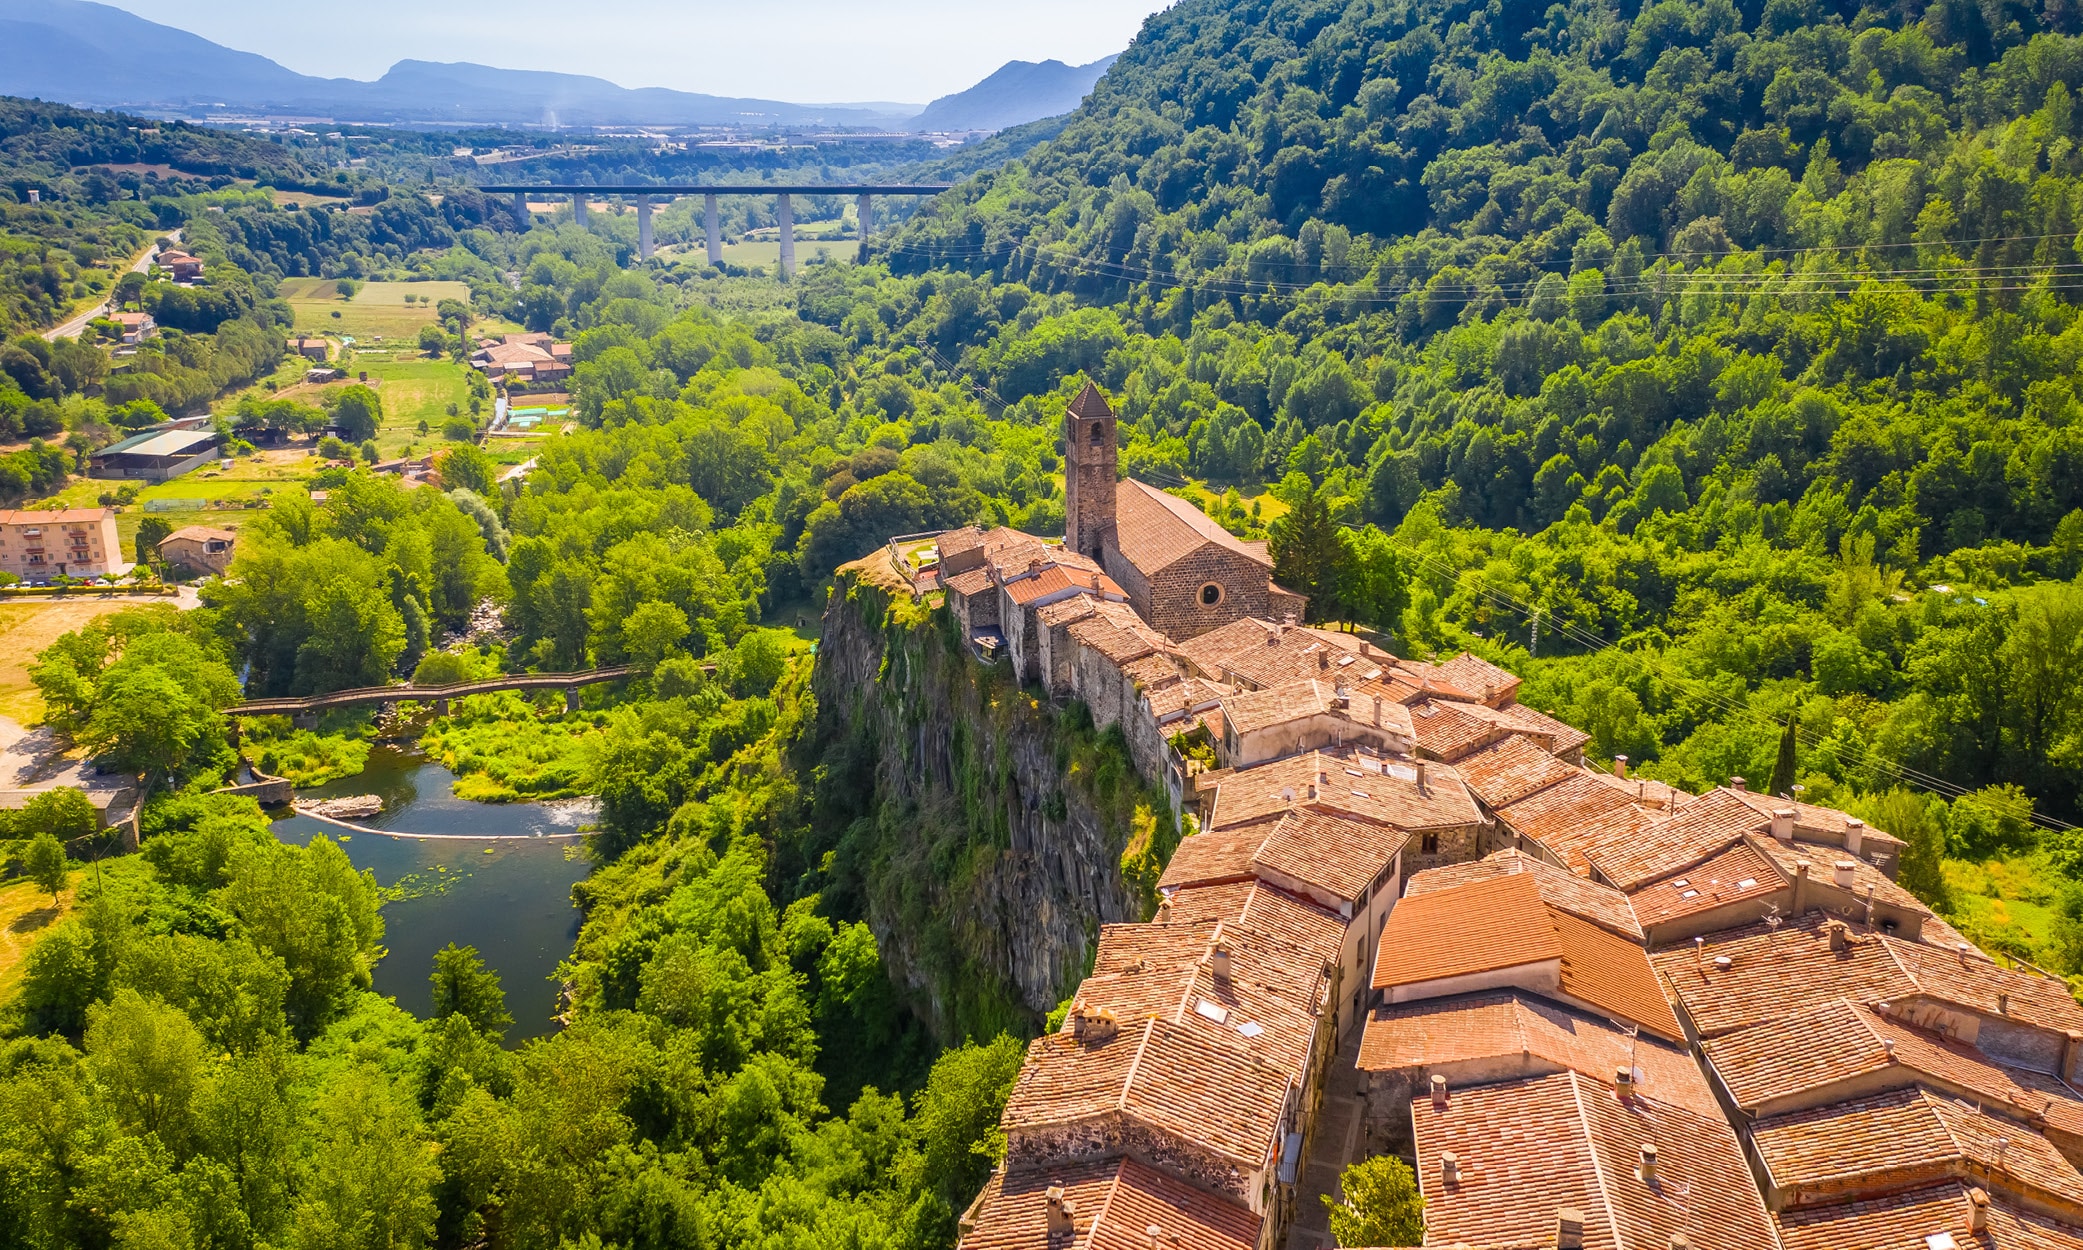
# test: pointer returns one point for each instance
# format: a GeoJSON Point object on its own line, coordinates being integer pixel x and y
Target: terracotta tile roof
{"type": "Point", "coordinates": [1925, 1219]}
{"type": "Point", "coordinates": [1335, 855]}
{"type": "Point", "coordinates": [1905, 1137]}
{"type": "Point", "coordinates": [1207, 858]}
{"type": "Point", "coordinates": [1090, 403]}
{"type": "Point", "coordinates": [1474, 1029]}
{"type": "Point", "coordinates": [1771, 975]}
{"type": "Point", "coordinates": [1252, 710]}
{"type": "Point", "coordinates": [1972, 980]}
{"type": "Point", "coordinates": [1823, 860]}
{"type": "Point", "coordinates": [1057, 580]}
{"type": "Point", "coordinates": [1064, 611]}
{"type": "Point", "coordinates": [1815, 824]}
{"type": "Point", "coordinates": [1143, 947]}
{"type": "Point", "coordinates": [1155, 530]}
{"type": "Point", "coordinates": [1191, 695]}
{"type": "Point", "coordinates": [1474, 674]}
{"type": "Point", "coordinates": [1740, 872]}
{"type": "Point", "coordinates": [1600, 904]}
{"type": "Point", "coordinates": [1268, 1009]}
{"type": "Point", "coordinates": [1446, 730]}
{"type": "Point", "coordinates": [1260, 906]}
{"type": "Point", "coordinates": [1300, 655]}
{"type": "Point", "coordinates": [1115, 643]}
{"type": "Point", "coordinates": [1567, 739]}
{"type": "Point", "coordinates": [1151, 672]}
{"type": "Point", "coordinates": [1695, 833]}
{"type": "Point", "coordinates": [1528, 1148]}
{"type": "Point", "coordinates": [972, 582]}
{"type": "Point", "coordinates": [53, 516]}
{"type": "Point", "coordinates": [203, 533]}
{"type": "Point", "coordinates": [1207, 651]}
{"type": "Point", "coordinates": [1503, 923]}
{"type": "Point", "coordinates": [957, 542]}
{"type": "Point", "coordinates": [1116, 1201]}
{"type": "Point", "coordinates": [1165, 1077]}
{"type": "Point", "coordinates": [1349, 782]}
{"type": "Point", "coordinates": [1511, 769]}
{"type": "Point", "coordinates": [1575, 818]}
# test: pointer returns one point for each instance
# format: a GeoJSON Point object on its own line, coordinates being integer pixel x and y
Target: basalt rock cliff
{"type": "Point", "coordinates": [983, 833]}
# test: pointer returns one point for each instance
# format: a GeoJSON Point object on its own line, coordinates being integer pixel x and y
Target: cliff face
{"type": "Point", "coordinates": [982, 833]}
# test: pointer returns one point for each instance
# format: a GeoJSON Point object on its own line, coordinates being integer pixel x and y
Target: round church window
{"type": "Point", "coordinates": [1211, 594]}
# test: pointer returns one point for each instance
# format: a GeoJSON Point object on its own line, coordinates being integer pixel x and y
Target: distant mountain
{"type": "Point", "coordinates": [1020, 92]}
{"type": "Point", "coordinates": [93, 55]}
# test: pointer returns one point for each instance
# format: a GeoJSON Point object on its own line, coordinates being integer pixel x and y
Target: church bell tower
{"type": "Point", "coordinates": [1090, 456]}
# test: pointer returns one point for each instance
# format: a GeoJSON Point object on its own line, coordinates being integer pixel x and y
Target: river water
{"type": "Point", "coordinates": [511, 899]}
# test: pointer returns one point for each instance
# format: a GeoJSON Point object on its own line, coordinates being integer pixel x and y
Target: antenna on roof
{"type": "Point", "coordinates": [1772, 920]}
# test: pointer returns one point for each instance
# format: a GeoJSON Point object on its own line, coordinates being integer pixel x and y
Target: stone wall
{"type": "Point", "coordinates": [1172, 602]}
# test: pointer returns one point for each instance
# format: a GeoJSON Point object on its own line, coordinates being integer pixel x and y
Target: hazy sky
{"type": "Point", "coordinates": [812, 51]}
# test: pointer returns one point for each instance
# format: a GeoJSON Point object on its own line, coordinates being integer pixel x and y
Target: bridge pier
{"type": "Point", "coordinates": [521, 209]}
{"type": "Point", "coordinates": [578, 209]}
{"type": "Point", "coordinates": [571, 699]}
{"type": "Point", "coordinates": [441, 707]}
{"type": "Point", "coordinates": [865, 208]}
{"type": "Point", "coordinates": [304, 720]}
{"type": "Point", "coordinates": [715, 229]}
{"type": "Point", "coordinates": [788, 236]}
{"type": "Point", "coordinates": [643, 227]}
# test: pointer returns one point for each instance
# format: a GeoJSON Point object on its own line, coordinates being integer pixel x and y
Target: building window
{"type": "Point", "coordinates": [1096, 432]}
{"type": "Point", "coordinates": [1211, 594]}
{"type": "Point", "coordinates": [1430, 844]}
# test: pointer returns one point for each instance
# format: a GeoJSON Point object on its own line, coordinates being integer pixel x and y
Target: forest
{"type": "Point", "coordinates": [1713, 366]}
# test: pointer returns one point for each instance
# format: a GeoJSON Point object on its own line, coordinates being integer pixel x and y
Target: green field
{"type": "Point", "coordinates": [378, 309]}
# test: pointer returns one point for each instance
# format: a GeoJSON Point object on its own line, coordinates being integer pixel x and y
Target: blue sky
{"type": "Point", "coordinates": [814, 51]}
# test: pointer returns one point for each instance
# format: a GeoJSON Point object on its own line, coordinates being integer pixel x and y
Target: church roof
{"type": "Point", "coordinates": [1090, 403]}
{"type": "Point", "coordinates": [1155, 530]}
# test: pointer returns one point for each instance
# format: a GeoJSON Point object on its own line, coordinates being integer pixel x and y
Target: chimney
{"type": "Point", "coordinates": [1419, 766]}
{"type": "Point", "coordinates": [1219, 964]}
{"type": "Point", "coordinates": [1155, 1234]}
{"type": "Point", "coordinates": [1624, 1081]}
{"type": "Point", "coordinates": [1093, 1025]}
{"type": "Point", "coordinates": [1800, 887]}
{"type": "Point", "coordinates": [1722, 963]}
{"type": "Point", "coordinates": [1840, 936]}
{"type": "Point", "coordinates": [1620, 767]}
{"type": "Point", "coordinates": [1679, 1241]}
{"type": "Point", "coordinates": [1439, 1092]}
{"type": "Point", "coordinates": [1323, 659]}
{"type": "Point", "coordinates": [1569, 1229]}
{"type": "Point", "coordinates": [1887, 1046]}
{"type": "Point", "coordinates": [1648, 1169]}
{"type": "Point", "coordinates": [1377, 711]}
{"type": "Point", "coordinates": [1843, 873]}
{"type": "Point", "coordinates": [1854, 834]}
{"type": "Point", "coordinates": [1783, 823]}
{"type": "Point", "coordinates": [1739, 785]}
{"type": "Point", "coordinates": [1341, 697]}
{"type": "Point", "coordinates": [2003, 1004]}
{"type": "Point", "coordinates": [1977, 1210]}
{"type": "Point", "coordinates": [1450, 1167]}
{"type": "Point", "coordinates": [1062, 1213]}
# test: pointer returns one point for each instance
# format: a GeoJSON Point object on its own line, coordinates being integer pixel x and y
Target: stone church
{"type": "Point", "coordinates": [1182, 572]}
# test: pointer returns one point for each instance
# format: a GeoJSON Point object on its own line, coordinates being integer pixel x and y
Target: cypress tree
{"type": "Point", "coordinates": [1783, 771]}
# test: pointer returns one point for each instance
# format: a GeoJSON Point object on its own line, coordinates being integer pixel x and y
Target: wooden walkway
{"type": "Point", "coordinates": [567, 682]}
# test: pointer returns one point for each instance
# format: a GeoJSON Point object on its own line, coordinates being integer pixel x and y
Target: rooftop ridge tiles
{"type": "Point", "coordinates": [1598, 1171]}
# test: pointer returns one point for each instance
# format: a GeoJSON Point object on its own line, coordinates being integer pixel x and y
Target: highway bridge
{"type": "Point", "coordinates": [643, 195]}
{"type": "Point", "coordinates": [307, 709]}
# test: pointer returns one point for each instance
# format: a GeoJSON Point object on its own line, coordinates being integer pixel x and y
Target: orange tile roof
{"type": "Point", "coordinates": [1822, 862]}
{"type": "Point", "coordinates": [1894, 1140]}
{"type": "Point", "coordinates": [970, 582]}
{"type": "Point", "coordinates": [1207, 858]}
{"type": "Point", "coordinates": [1473, 673]}
{"type": "Point", "coordinates": [1489, 926]}
{"type": "Point", "coordinates": [1143, 947]}
{"type": "Point", "coordinates": [1600, 904]}
{"type": "Point", "coordinates": [1511, 769]}
{"type": "Point", "coordinates": [1925, 1219]}
{"type": "Point", "coordinates": [1508, 1024]}
{"type": "Point", "coordinates": [1349, 782]}
{"type": "Point", "coordinates": [1738, 873]}
{"type": "Point", "coordinates": [1337, 855]}
{"type": "Point", "coordinates": [1812, 823]}
{"type": "Point", "coordinates": [1685, 839]}
{"type": "Point", "coordinates": [1527, 1148]}
{"type": "Point", "coordinates": [1447, 731]}
{"type": "Point", "coordinates": [1057, 580]}
{"type": "Point", "coordinates": [1567, 738]}
{"type": "Point", "coordinates": [1116, 1202]}
{"type": "Point", "coordinates": [1154, 530]}
{"type": "Point", "coordinates": [54, 516]}
{"type": "Point", "coordinates": [1258, 905]}
{"type": "Point", "coordinates": [1971, 979]}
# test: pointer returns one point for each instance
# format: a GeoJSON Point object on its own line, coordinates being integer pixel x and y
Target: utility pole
{"type": "Point", "coordinates": [1535, 650]}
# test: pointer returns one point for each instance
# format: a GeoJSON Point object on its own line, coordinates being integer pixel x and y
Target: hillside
{"type": "Point", "coordinates": [1018, 93]}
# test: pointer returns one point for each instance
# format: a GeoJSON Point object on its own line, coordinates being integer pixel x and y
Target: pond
{"type": "Point", "coordinates": [511, 899]}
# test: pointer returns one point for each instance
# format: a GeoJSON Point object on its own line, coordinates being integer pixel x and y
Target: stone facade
{"type": "Point", "coordinates": [1090, 468]}
{"type": "Point", "coordinates": [1175, 599]}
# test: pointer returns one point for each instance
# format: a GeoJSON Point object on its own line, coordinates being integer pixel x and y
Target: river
{"type": "Point", "coordinates": [511, 899]}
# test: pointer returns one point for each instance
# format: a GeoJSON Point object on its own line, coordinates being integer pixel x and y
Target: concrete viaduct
{"type": "Point", "coordinates": [643, 195]}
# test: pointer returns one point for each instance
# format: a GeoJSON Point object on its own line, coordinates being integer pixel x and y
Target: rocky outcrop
{"type": "Point", "coordinates": [981, 831]}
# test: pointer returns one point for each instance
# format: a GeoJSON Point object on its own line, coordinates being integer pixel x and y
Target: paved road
{"type": "Point", "coordinates": [79, 323]}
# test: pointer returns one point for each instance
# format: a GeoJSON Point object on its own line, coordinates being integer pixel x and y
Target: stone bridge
{"type": "Point", "coordinates": [305, 711]}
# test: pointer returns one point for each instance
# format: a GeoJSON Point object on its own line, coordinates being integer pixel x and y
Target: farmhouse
{"type": "Point", "coordinates": [137, 327]}
{"type": "Point", "coordinates": [181, 266]}
{"type": "Point", "coordinates": [155, 455]}
{"type": "Point", "coordinates": [524, 358]}
{"type": "Point", "coordinates": [198, 549]}
{"type": "Point", "coordinates": [311, 349]}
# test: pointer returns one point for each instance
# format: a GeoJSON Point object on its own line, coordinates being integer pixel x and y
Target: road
{"type": "Point", "coordinates": [79, 323]}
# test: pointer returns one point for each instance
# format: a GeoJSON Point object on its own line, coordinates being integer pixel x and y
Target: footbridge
{"type": "Point", "coordinates": [309, 708]}
{"type": "Point", "coordinates": [644, 195]}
